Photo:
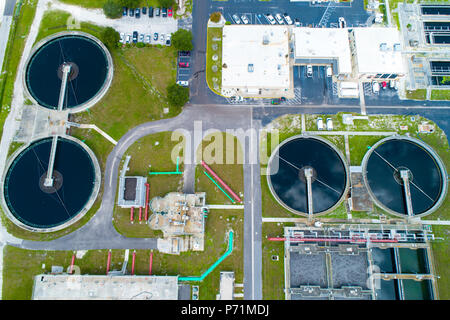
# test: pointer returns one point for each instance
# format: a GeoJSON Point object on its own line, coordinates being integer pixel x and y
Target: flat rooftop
{"type": "Point", "coordinates": [378, 50]}
{"type": "Point", "coordinates": [255, 56]}
{"type": "Point", "coordinates": [103, 287]}
{"type": "Point", "coordinates": [324, 43]}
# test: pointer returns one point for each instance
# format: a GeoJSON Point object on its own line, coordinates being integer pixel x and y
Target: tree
{"type": "Point", "coordinates": [110, 37]}
{"type": "Point", "coordinates": [215, 16]}
{"type": "Point", "coordinates": [166, 3]}
{"type": "Point", "coordinates": [130, 3]}
{"type": "Point", "coordinates": [177, 95]}
{"type": "Point", "coordinates": [182, 40]}
{"type": "Point", "coordinates": [112, 9]}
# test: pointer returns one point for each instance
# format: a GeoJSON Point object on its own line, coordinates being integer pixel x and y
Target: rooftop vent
{"type": "Point", "coordinates": [265, 39]}
{"type": "Point", "coordinates": [250, 67]}
{"type": "Point", "coordinates": [397, 47]}
{"type": "Point", "coordinates": [383, 46]}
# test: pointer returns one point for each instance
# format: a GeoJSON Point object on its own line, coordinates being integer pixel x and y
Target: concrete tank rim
{"type": "Point", "coordinates": [98, 96]}
{"type": "Point", "coordinates": [74, 219]}
{"type": "Point", "coordinates": [339, 153]}
{"type": "Point", "coordinates": [431, 151]}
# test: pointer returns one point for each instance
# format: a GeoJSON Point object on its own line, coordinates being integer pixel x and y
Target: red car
{"type": "Point", "coordinates": [169, 12]}
{"type": "Point", "coordinates": [184, 64]}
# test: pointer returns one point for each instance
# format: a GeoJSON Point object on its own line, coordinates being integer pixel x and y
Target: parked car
{"type": "Point", "coordinates": [135, 36]}
{"type": "Point", "coordinates": [131, 12]}
{"type": "Point", "coordinates": [329, 71]}
{"type": "Point", "coordinates": [245, 19]}
{"type": "Point", "coordinates": [319, 123]}
{"type": "Point", "coordinates": [157, 12]}
{"type": "Point", "coordinates": [164, 12]}
{"type": "Point", "coordinates": [122, 37]}
{"type": "Point", "coordinates": [297, 22]}
{"type": "Point", "coordinates": [155, 36]}
{"type": "Point", "coordinates": [144, 10]}
{"type": "Point", "coordinates": [236, 19]}
{"type": "Point", "coordinates": [137, 13]}
{"type": "Point", "coordinates": [125, 11]}
{"type": "Point", "coordinates": [128, 38]}
{"type": "Point", "coordinates": [141, 38]}
{"type": "Point", "coordinates": [271, 19]}
{"type": "Point", "coordinates": [375, 87]}
{"type": "Point", "coordinates": [309, 71]}
{"type": "Point", "coordinates": [161, 37]}
{"type": "Point", "coordinates": [169, 40]}
{"type": "Point", "coordinates": [183, 64]}
{"type": "Point", "coordinates": [183, 83]}
{"type": "Point", "coordinates": [184, 53]}
{"type": "Point", "coordinates": [279, 18]}
{"type": "Point", "coordinates": [329, 124]}
{"type": "Point", "coordinates": [342, 23]}
{"type": "Point", "coordinates": [170, 12]}
{"type": "Point", "coordinates": [150, 12]}
{"type": "Point", "coordinates": [148, 38]}
{"type": "Point", "coordinates": [288, 19]}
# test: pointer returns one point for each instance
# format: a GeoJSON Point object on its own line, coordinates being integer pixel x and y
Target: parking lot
{"type": "Point", "coordinates": [148, 26]}
{"type": "Point", "coordinates": [307, 14]}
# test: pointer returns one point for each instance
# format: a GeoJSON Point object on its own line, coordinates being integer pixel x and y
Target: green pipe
{"type": "Point", "coordinates": [218, 186]}
{"type": "Point", "coordinates": [210, 269]}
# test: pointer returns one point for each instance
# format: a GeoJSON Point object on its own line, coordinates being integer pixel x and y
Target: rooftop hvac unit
{"type": "Point", "coordinates": [397, 47]}
{"type": "Point", "coordinates": [383, 46]}
{"type": "Point", "coordinates": [265, 39]}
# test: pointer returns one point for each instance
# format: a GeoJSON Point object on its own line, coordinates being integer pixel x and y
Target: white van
{"type": "Point", "coordinates": [319, 124]}
{"type": "Point", "coordinates": [329, 124]}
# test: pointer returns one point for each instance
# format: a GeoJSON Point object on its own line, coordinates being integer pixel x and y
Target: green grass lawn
{"type": "Point", "coordinates": [214, 33]}
{"type": "Point", "coordinates": [19, 30]}
{"type": "Point", "coordinates": [441, 254]}
{"type": "Point", "coordinates": [229, 170]}
{"type": "Point", "coordinates": [440, 95]}
{"type": "Point", "coordinates": [191, 263]}
{"type": "Point", "coordinates": [93, 4]}
{"type": "Point", "coordinates": [20, 266]}
{"type": "Point", "coordinates": [155, 150]}
{"type": "Point", "coordinates": [419, 94]}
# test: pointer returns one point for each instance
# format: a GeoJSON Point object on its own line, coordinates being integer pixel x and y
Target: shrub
{"type": "Point", "coordinates": [112, 9]}
{"type": "Point", "coordinates": [182, 40]}
{"type": "Point", "coordinates": [228, 23]}
{"type": "Point", "coordinates": [110, 37]}
{"type": "Point", "coordinates": [215, 16]}
{"type": "Point", "coordinates": [140, 45]}
{"type": "Point", "coordinates": [166, 3]}
{"type": "Point", "coordinates": [177, 95]}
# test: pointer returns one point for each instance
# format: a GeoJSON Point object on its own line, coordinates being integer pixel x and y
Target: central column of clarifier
{"type": "Point", "coordinates": [308, 175]}
{"type": "Point", "coordinates": [62, 93]}
{"type": "Point", "coordinates": [404, 174]}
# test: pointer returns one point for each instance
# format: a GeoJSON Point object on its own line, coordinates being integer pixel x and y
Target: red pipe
{"type": "Point", "coordinates": [109, 262]}
{"type": "Point", "coordinates": [150, 263]}
{"type": "Point", "coordinates": [329, 240]}
{"type": "Point", "coordinates": [71, 264]}
{"type": "Point", "coordinates": [221, 182]}
{"type": "Point", "coordinates": [147, 187]}
{"type": "Point", "coordinates": [132, 263]}
{"type": "Point", "coordinates": [140, 213]}
{"type": "Point", "coordinates": [132, 214]}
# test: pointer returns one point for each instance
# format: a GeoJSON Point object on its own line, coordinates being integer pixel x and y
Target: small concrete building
{"type": "Point", "coordinates": [226, 286]}
{"type": "Point", "coordinates": [377, 54]}
{"type": "Point", "coordinates": [132, 192]}
{"type": "Point", "coordinates": [256, 61]}
{"type": "Point", "coordinates": [103, 287]}
{"type": "Point", "coordinates": [323, 46]}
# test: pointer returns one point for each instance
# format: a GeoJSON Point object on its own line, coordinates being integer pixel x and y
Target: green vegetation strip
{"type": "Point", "coordinates": [226, 254]}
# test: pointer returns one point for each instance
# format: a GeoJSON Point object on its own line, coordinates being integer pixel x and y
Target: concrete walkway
{"type": "Point", "coordinates": [103, 133]}
{"type": "Point", "coordinates": [351, 133]}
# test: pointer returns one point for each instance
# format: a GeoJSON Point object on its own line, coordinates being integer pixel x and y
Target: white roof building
{"type": "Point", "coordinates": [378, 51]}
{"type": "Point", "coordinates": [255, 59]}
{"type": "Point", "coordinates": [323, 45]}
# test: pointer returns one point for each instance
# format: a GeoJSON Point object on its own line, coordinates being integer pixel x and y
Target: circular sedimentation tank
{"type": "Point", "coordinates": [288, 182]}
{"type": "Point", "coordinates": [382, 167]}
{"type": "Point", "coordinates": [33, 206]}
{"type": "Point", "coordinates": [89, 77]}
